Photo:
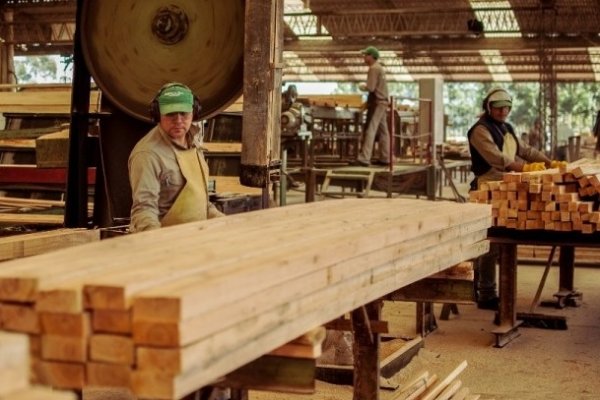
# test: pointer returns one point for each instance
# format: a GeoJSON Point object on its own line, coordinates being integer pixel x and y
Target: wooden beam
{"type": "Point", "coordinates": [262, 80]}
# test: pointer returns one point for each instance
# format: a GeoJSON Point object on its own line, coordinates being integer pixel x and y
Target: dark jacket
{"type": "Point", "coordinates": [479, 165]}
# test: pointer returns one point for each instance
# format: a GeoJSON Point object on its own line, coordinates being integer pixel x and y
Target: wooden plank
{"type": "Point", "coordinates": [60, 375]}
{"type": "Point", "coordinates": [111, 321]}
{"type": "Point", "coordinates": [43, 102]}
{"type": "Point", "coordinates": [30, 174]}
{"type": "Point", "coordinates": [113, 349]}
{"type": "Point", "coordinates": [108, 375]}
{"type": "Point", "coordinates": [64, 324]}
{"type": "Point", "coordinates": [14, 362]}
{"type": "Point", "coordinates": [222, 147]}
{"type": "Point", "coordinates": [231, 184]}
{"type": "Point", "coordinates": [19, 318]}
{"type": "Point", "coordinates": [64, 348]}
{"type": "Point", "coordinates": [40, 242]}
{"type": "Point", "coordinates": [40, 393]}
{"type": "Point", "coordinates": [31, 219]}
{"type": "Point", "coordinates": [262, 77]}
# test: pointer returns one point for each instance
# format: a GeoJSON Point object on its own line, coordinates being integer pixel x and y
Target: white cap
{"type": "Point", "coordinates": [499, 97]}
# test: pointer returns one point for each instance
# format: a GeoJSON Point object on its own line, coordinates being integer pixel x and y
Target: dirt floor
{"type": "Point", "coordinates": [540, 364]}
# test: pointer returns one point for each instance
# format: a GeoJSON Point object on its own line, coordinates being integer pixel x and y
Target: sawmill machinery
{"type": "Point", "coordinates": [131, 48]}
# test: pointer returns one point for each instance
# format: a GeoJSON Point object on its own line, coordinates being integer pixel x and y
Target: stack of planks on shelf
{"type": "Point", "coordinates": [564, 199]}
{"type": "Point", "coordinates": [166, 312]}
{"type": "Point", "coordinates": [15, 369]}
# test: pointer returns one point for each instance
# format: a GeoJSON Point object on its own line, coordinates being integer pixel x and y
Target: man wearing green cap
{"type": "Point", "coordinates": [377, 105]}
{"type": "Point", "coordinates": [495, 149]}
{"type": "Point", "coordinates": [167, 170]}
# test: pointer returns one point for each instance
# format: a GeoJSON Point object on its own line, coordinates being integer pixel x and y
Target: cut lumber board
{"type": "Point", "coordinates": [31, 219]}
{"type": "Point", "coordinates": [14, 362]}
{"type": "Point", "coordinates": [60, 375]}
{"type": "Point", "coordinates": [231, 184]}
{"type": "Point", "coordinates": [40, 393]}
{"type": "Point", "coordinates": [41, 242]}
{"type": "Point", "coordinates": [44, 102]}
{"type": "Point", "coordinates": [63, 324]}
{"type": "Point", "coordinates": [222, 147]}
{"type": "Point", "coordinates": [434, 391]}
{"type": "Point", "coordinates": [64, 348]}
{"type": "Point", "coordinates": [111, 321]}
{"type": "Point", "coordinates": [112, 349]}
{"type": "Point", "coordinates": [19, 318]}
{"type": "Point", "coordinates": [108, 375]}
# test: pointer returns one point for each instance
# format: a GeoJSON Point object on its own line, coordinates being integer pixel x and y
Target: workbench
{"type": "Point", "coordinates": [508, 240]}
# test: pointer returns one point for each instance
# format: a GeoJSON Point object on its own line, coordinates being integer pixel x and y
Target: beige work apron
{"type": "Point", "coordinates": [192, 202]}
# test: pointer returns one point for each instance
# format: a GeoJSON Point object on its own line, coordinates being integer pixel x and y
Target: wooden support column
{"type": "Point", "coordinates": [7, 51]}
{"type": "Point", "coordinates": [366, 352]}
{"type": "Point", "coordinates": [262, 91]}
{"type": "Point", "coordinates": [507, 316]}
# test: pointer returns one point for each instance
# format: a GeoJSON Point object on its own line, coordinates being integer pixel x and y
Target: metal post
{"type": "Point", "coordinates": [76, 199]}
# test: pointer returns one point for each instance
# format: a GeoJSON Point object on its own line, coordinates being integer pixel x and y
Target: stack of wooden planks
{"type": "Point", "coordinates": [166, 312]}
{"type": "Point", "coordinates": [426, 386]}
{"type": "Point", "coordinates": [14, 372]}
{"type": "Point", "coordinates": [26, 245]}
{"type": "Point", "coordinates": [564, 199]}
{"type": "Point", "coordinates": [55, 101]}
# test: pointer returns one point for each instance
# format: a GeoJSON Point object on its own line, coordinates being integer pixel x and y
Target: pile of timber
{"type": "Point", "coordinates": [166, 312]}
{"type": "Point", "coordinates": [14, 372]}
{"type": "Point", "coordinates": [426, 386]}
{"type": "Point", "coordinates": [564, 199]}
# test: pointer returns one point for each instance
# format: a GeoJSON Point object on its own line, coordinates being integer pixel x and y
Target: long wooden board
{"type": "Point", "coordinates": [41, 242]}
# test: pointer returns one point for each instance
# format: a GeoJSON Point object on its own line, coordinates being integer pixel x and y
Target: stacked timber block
{"type": "Point", "coordinates": [15, 371]}
{"type": "Point", "coordinates": [563, 199]}
{"type": "Point", "coordinates": [169, 311]}
{"type": "Point", "coordinates": [31, 244]}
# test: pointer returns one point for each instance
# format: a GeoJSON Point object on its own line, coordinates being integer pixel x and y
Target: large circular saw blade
{"type": "Point", "coordinates": [133, 47]}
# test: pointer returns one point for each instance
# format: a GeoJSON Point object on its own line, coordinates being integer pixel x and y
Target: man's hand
{"type": "Point", "coordinates": [363, 87]}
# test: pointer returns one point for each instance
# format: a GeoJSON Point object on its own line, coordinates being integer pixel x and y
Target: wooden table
{"type": "Point", "coordinates": [509, 239]}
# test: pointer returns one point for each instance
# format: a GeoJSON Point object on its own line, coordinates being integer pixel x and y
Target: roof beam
{"type": "Point", "coordinates": [449, 21]}
{"type": "Point", "coordinates": [426, 45]}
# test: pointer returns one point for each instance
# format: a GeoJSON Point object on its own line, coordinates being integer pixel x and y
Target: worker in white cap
{"type": "Point", "coordinates": [496, 149]}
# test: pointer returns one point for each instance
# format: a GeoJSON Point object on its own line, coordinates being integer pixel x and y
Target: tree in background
{"type": "Point", "coordinates": [43, 69]}
{"type": "Point", "coordinates": [35, 69]}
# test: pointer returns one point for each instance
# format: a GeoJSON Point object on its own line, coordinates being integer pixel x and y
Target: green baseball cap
{"type": "Point", "coordinates": [176, 98]}
{"type": "Point", "coordinates": [372, 51]}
